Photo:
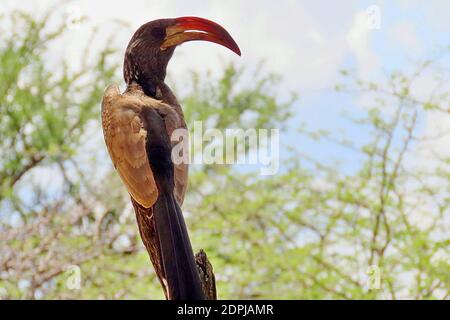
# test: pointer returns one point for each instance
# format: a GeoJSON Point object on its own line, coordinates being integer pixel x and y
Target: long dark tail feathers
{"type": "Point", "coordinates": [183, 281]}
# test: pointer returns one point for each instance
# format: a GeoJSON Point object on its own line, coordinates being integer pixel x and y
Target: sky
{"type": "Point", "coordinates": [306, 42]}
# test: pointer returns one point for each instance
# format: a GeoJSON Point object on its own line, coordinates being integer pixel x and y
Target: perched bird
{"type": "Point", "coordinates": [138, 126]}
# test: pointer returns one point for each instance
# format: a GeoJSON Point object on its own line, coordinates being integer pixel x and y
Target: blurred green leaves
{"type": "Point", "coordinates": [44, 106]}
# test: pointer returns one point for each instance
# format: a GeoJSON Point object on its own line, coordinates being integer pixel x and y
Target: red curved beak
{"type": "Point", "coordinates": [193, 28]}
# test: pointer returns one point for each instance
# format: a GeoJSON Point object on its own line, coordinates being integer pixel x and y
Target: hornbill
{"type": "Point", "coordinates": [137, 127]}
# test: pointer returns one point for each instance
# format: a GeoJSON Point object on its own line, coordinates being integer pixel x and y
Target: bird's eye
{"type": "Point", "coordinates": [158, 33]}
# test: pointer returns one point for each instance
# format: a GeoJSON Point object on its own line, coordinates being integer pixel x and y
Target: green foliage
{"type": "Point", "coordinates": [44, 111]}
{"type": "Point", "coordinates": [224, 103]}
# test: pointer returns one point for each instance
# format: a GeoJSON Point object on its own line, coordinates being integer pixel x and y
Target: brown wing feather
{"type": "Point", "coordinates": [125, 138]}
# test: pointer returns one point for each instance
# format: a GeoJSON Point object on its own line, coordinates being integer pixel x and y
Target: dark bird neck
{"type": "Point", "coordinates": [145, 67]}
{"type": "Point", "coordinates": [161, 92]}
{"type": "Point", "coordinates": [149, 85]}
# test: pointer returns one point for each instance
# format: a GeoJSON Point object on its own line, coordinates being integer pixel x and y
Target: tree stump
{"type": "Point", "coordinates": [206, 273]}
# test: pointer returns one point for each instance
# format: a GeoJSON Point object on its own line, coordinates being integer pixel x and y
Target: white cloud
{"type": "Point", "coordinates": [358, 41]}
{"type": "Point", "coordinates": [287, 37]}
{"type": "Point", "coordinates": [436, 130]}
{"type": "Point", "coordinates": [405, 34]}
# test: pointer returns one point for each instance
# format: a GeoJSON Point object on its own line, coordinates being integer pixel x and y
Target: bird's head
{"type": "Point", "coordinates": [153, 44]}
